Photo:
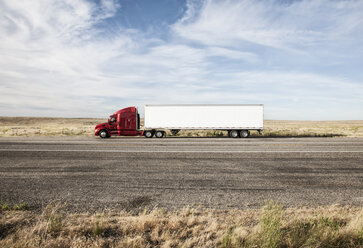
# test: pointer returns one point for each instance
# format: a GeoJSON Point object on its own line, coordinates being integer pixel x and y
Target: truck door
{"type": "Point", "coordinates": [112, 125]}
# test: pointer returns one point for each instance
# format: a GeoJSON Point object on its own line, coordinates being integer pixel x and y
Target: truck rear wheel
{"type": "Point", "coordinates": [148, 134]}
{"type": "Point", "coordinates": [103, 134]}
{"type": "Point", "coordinates": [159, 134]}
{"type": "Point", "coordinates": [244, 133]}
{"type": "Point", "coordinates": [233, 134]}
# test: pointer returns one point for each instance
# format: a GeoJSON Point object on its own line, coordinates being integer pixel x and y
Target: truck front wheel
{"type": "Point", "coordinates": [103, 134]}
{"type": "Point", "coordinates": [148, 134]}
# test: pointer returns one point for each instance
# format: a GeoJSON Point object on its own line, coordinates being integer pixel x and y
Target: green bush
{"type": "Point", "coordinates": [271, 223]}
{"type": "Point", "coordinates": [54, 216]}
{"type": "Point", "coordinates": [97, 229]}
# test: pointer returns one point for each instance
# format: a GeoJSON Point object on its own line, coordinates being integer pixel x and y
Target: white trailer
{"type": "Point", "coordinates": [237, 119]}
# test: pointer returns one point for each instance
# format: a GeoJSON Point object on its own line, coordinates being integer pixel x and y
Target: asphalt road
{"type": "Point", "coordinates": [222, 173]}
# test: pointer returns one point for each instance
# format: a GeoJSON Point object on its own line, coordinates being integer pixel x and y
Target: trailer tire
{"type": "Point", "coordinates": [244, 133]}
{"type": "Point", "coordinates": [148, 134]}
{"type": "Point", "coordinates": [233, 134]}
{"type": "Point", "coordinates": [159, 134]}
{"type": "Point", "coordinates": [103, 134]}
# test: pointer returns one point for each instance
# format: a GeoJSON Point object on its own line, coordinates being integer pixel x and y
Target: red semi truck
{"type": "Point", "coordinates": [125, 122]}
{"type": "Point", "coordinates": [237, 119]}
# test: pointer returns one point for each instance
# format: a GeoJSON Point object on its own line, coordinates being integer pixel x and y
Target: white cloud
{"type": "Point", "coordinates": [52, 56]}
{"type": "Point", "coordinates": [57, 60]}
{"type": "Point", "coordinates": [291, 26]}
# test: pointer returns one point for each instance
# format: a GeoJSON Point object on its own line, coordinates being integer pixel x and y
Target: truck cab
{"type": "Point", "coordinates": [125, 122]}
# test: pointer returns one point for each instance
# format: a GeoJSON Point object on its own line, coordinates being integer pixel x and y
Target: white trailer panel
{"type": "Point", "coordinates": [225, 117]}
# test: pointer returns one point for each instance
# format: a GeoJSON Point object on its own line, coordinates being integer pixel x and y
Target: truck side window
{"type": "Point", "coordinates": [113, 119]}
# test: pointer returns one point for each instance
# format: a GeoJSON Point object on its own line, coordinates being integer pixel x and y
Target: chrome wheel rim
{"type": "Point", "coordinates": [234, 134]}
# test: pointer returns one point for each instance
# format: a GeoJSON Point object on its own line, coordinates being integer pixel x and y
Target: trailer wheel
{"type": "Point", "coordinates": [244, 133]}
{"type": "Point", "coordinates": [103, 134]}
{"type": "Point", "coordinates": [159, 134]}
{"type": "Point", "coordinates": [233, 134]}
{"type": "Point", "coordinates": [148, 134]}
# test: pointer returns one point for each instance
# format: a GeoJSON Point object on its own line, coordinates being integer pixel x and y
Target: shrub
{"type": "Point", "coordinates": [54, 214]}
{"type": "Point", "coordinates": [97, 228]}
{"type": "Point", "coordinates": [271, 223]}
{"type": "Point", "coordinates": [20, 206]}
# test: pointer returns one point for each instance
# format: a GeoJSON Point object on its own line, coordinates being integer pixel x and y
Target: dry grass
{"type": "Point", "coordinates": [32, 126]}
{"type": "Point", "coordinates": [314, 128]}
{"type": "Point", "coordinates": [272, 226]}
{"type": "Point", "coordinates": [37, 126]}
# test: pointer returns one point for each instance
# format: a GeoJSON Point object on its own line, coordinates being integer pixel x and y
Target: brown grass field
{"type": "Point", "coordinates": [36, 126]}
{"type": "Point", "coordinates": [271, 226]}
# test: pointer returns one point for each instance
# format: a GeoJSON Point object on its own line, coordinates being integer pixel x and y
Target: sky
{"type": "Point", "coordinates": [80, 58]}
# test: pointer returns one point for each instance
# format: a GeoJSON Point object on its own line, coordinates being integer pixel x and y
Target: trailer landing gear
{"type": "Point", "coordinates": [174, 131]}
